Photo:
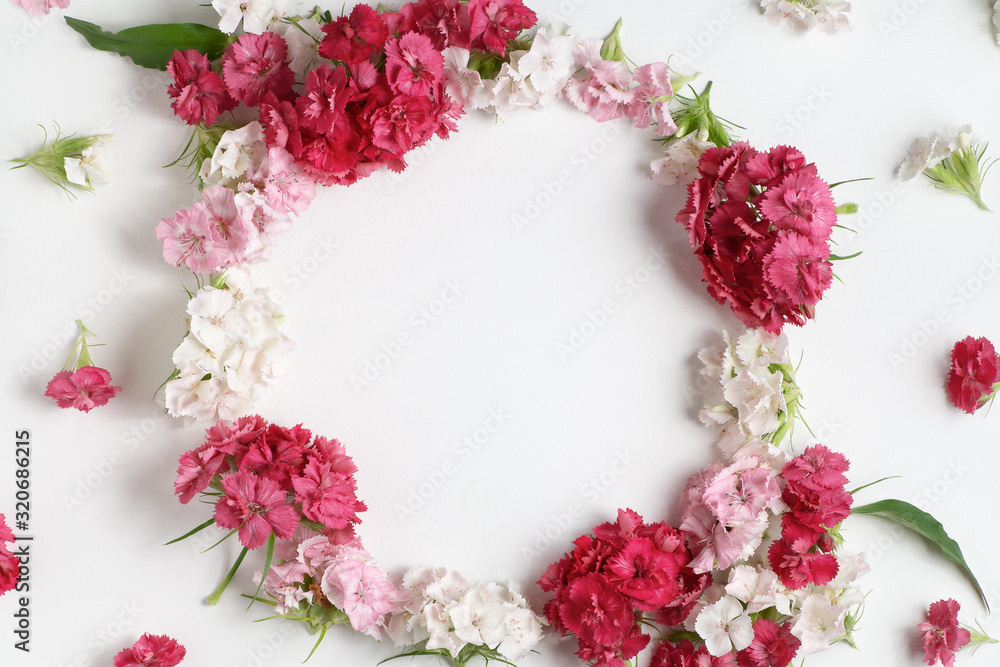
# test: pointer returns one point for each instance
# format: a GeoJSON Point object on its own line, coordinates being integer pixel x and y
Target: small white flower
{"type": "Point", "coordinates": [757, 348]}
{"type": "Point", "coordinates": [257, 15]}
{"type": "Point", "coordinates": [477, 618]}
{"type": "Point", "coordinates": [923, 153]}
{"type": "Point", "coordinates": [755, 588]}
{"type": "Point", "coordinates": [548, 64]}
{"type": "Point", "coordinates": [725, 626]}
{"type": "Point", "coordinates": [303, 47]}
{"type": "Point", "coordinates": [441, 629]}
{"type": "Point", "coordinates": [680, 164]}
{"type": "Point", "coordinates": [238, 151]}
{"type": "Point", "coordinates": [521, 631]}
{"type": "Point", "coordinates": [93, 169]}
{"type": "Point", "coordinates": [464, 84]}
{"type": "Point", "coordinates": [215, 321]}
{"type": "Point", "coordinates": [819, 623]}
{"type": "Point", "coordinates": [758, 398]}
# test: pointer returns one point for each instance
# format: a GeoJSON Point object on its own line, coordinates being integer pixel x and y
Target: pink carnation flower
{"type": "Point", "coordinates": [196, 471]}
{"type": "Point", "coordinates": [652, 99]}
{"type": "Point", "coordinates": [413, 66]}
{"type": "Point", "coordinates": [603, 89]}
{"type": "Point", "coordinates": [151, 651]}
{"type": "Point", "coordinates": [288, 188]}
{"type": "Point", "coordinates": [190, 238]}
{"type": "Point", "coordinates": [496, 22]}
{"type": "Point", "coordinates": [198, 92]}
{"type": "Point", "coordinates": [799, 266]}
{"type": "Point", "coordinates": [256, 507]}
{"type": "Point", "coordinates": [975, 368]}
{"type": "Point", "coordinates": [355, 38]}
{"type": "Point", "coordinates": [803, 203]}
{"type": "Point", "coordinates": [773, 645]}
{"type": "Point", "coordinates": [41, 7]}
{"type": "Point", "coordinates": [255, 65]}
{"type": "Point", "coordinates": [326, 496]}
{"type": "Point", "coordinates": [364, 593]}
{"type": "Point", "coordinates": [941, 633]}
{"type": "Point", "coordinates": [84, 389]}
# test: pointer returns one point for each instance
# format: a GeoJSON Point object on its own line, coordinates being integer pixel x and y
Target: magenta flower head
{"type": "Point", "coordinates": [86, 386]}
{"type": "Point", "coordinates": [975, 369]}
{"type": "Point", "coordinates": [942, 634]}
{"type": "Point", "coordinates": [150, 650]}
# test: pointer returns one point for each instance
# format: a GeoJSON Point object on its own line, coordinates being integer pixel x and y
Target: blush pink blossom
{"type": "Point", "coordinates": [942, 636]}
{"type": "Point", "coordinates": [196, 470]}
{"type": "Point", "coordinates": [287, 187]}
{"type": "Point", "coordinates": [652, 98]}
{"type": "Point", "coordinates": [363, 591]}
{"type": "Point", "coordinates": [327, 497]}
{"type": "Point", "coordinates": [151, 651]}
{"type": "Point", "coordinates": [86, 388]}
{"type": "Point", "coordinates": [412, 65]}
{"type": "Point", "coordinates": [41, 7]}
{"type": "Point", "coordinates": [234, 227]}
{"type": "Point", "coordinates": [256, 65]}
{"type": "Point", "coordinates": [603, 89]}
{"type": "Point", "coordinates": [189, 238]}
{"type": "Point", "coordinates": [255, 507]}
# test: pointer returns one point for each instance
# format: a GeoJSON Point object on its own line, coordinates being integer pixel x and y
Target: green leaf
{"type": "Point", "coordinates": [839, 258]}
{"type": "Point", "coordinates": [191, 532]}
{"type": "Point", "coordinates": [151, 46]}
{"type": "Point", "coordinates": [922, 523]}
{"type": "Point", "coordinates": [267, 567]}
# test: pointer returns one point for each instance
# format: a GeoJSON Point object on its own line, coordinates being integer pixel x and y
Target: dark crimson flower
{"type": "Point", "coordinates": [975, 368]}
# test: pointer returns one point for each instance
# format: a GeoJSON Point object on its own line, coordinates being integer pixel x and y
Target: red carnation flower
{"type": "Point", "coordinates": [151, 651]}
{"type": "Point", "coordinates": [496, 22]}
{"type": "Point", "coordinates": [198, 92]}
{"type": "Point", "coordinates": [684, 654]}
{"type": "Point", "coordinates": [445, 22]}
{"type": "Point", "coordinates": [85, 388]}
{"type": "Point", "coordinates": [773, 646]}
{"type": "Point", "coordinates": [942, 634]}
{"type": "Point", "coordinates": [596, 613]}
{"type": "Point", "coordinates": [975, 369]}
{"type": "Point", "coordinates": [355, 38]}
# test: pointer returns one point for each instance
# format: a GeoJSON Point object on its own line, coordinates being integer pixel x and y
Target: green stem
{"type": "Point", "coordinates": [214, 598]}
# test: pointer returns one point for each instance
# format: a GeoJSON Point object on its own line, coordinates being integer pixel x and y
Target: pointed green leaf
{"type": "Point", "coordinates": [922, 523]}
{"type": "Point", "coordinates": [151, 46]}
{"type": "Point", "coordinates": [192, 532]}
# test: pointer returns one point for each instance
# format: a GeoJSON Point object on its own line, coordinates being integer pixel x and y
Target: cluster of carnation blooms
{"type": "Point", "coordinates": [974, 377]}
{"type": "Point", "coordinates": [266, 481]}
{"type": "Point", "coordinates": [828, 15]}
{"type": "Point", "coordinates": [760, 224]}
{"type": "Point", "coordinates": [81, 384]}
{"type": "Point", "coordinates": [10, 565]}
{"type": "Point", "coordinates": [752, 570]}
{"type": "Point", "coordinates": [324, 582]}
{"type": "Point", "coordinates": [234, 349]}
{"type": "Point", "coordinates": [151, 651]}
{"type": "Point", "coordinates": [440, 613]}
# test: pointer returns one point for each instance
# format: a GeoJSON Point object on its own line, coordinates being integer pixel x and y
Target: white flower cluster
{"type": "Point", "coordinates": [439, 607]}
{"type": "Point", "coordinates": [233, 350]}
{"type": "Point", "coordinates": [531, 79]}
{"type": "Point", "coordinates": [93, 168]}
{"type": "Point", "coordinates": [819, 615]}
{"type": "Point", "coordinates": [680, 164]}
{"type": "Point", "coordinates": [829, 16]}
{"type": "Point", "coordinates": [749, 393]}
{"type": "Point", "coordinates": [926, 152]}
{"type": "Point", "coordinates": [257, 15]}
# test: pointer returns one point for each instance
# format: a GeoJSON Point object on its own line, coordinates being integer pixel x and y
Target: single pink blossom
{"type": "Point", "coordinates": [256, 507]}
{"type": "Point", "coordinates": [255, 65]}
{"type": "Point", "coordinates": [801, 202]}
{"type": "Point", "coordinates": [198, 93]}
{"type": "Point", "coordinates": [496, 22]}
{"type": "Point", "coordinates": [652, 99]}
{"type": "Point", "coordinates": [151, 651]}
{"type": "Point", "coordinates": [196, 471]}
{"type": "Point", "coordinates": [799, 267]}
{"type": "Point", "coordinates": [412, 65]}
{"type": "Point", "coordinates": [326, 496]}
{"type": "Point", "coordinates": [84, 389]}
{"type": "Point", "coordinates": [975, 368]}
{"type": "Point", "coordinates": [189, 238]}
{"type": "Point", "coordinates": [363, 591]}
{"type": "Point", "coordinates": [942, 634]}
{"type": "Point", "coordinates": [288, 188]}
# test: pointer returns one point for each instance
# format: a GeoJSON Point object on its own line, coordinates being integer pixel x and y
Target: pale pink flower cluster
{"type": "Point", "coordinates": [726, 510]}
{"type": "Point", "coordinates": [312, 571]}
{"type": "Point", "coordinates": [828, 15]}
{"type": "Point", "coordinates": [745, 398]}
{"type": "Point", "coordinates": [234, 349]}
{"type": "Point", "coordinates": [249, 193]}
{"type": "Point", "coordinates": [437, 606]}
